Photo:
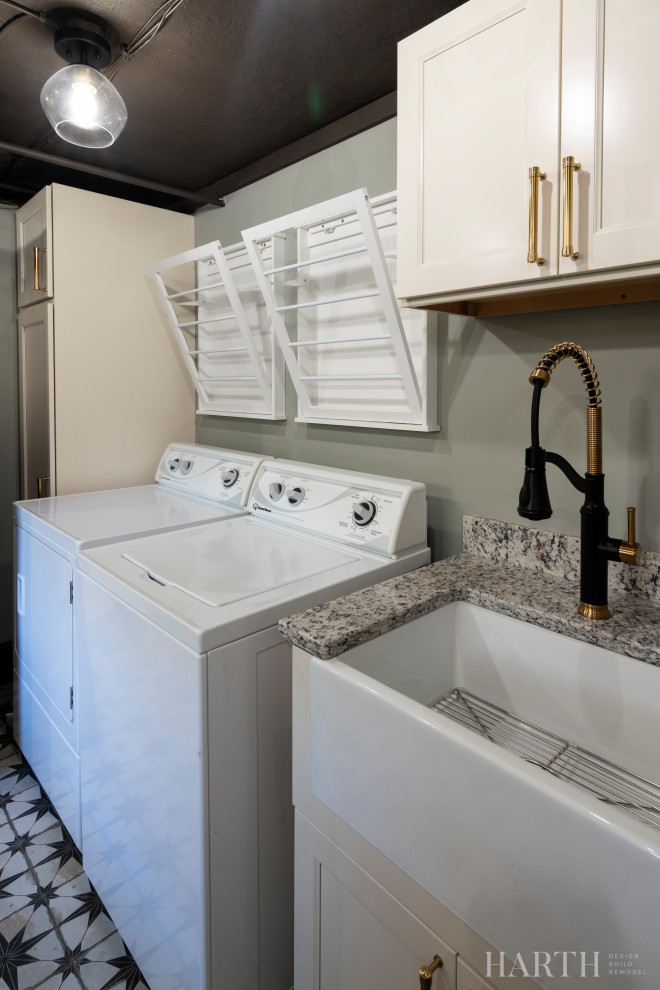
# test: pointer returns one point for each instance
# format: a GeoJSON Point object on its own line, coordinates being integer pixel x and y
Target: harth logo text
{"type": "Point", "coordinates": [540, 964]}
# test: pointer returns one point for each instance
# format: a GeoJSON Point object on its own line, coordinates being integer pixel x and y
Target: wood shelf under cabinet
{"type": "Point", "coordinates": [615, 293]}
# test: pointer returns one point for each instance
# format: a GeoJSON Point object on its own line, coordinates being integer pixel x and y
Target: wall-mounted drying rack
{"type": "Point", "coordinates": [219, 319]}
{"type": "Point", "coordinates": [357, 359]}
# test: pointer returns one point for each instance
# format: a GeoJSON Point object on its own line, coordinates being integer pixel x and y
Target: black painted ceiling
{"type": "Point", "coordinates": [222, 85]}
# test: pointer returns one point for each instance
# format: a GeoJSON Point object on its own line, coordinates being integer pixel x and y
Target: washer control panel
{"type": "Point", "coordinates": [209, 472]}
{"type": "Point", "coordinates": [384, 515]}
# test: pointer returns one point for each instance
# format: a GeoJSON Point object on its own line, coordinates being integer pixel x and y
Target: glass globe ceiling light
{"type": "Point", "coordinates": [83, 106]}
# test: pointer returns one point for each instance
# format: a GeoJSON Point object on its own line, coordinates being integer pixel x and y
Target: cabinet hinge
{"type": "Point", "coordinates": [70, 592]}
{"type": "Point", "coordinates": [71, 697]}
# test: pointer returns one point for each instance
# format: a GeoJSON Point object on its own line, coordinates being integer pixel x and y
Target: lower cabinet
{"type": "Point", "coordinates": [351, 933]}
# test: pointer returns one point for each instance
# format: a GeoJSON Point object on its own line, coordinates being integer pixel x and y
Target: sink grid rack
{"type": "Point", "coordinates": [610, 783]}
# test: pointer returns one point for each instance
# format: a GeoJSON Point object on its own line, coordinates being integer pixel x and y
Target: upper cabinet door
{"type": "Point", "coordinates": [610, 78]}
{"type": "Point", "coordinates": [478, 107]}
{"type": "Point", "coordinates": [34, 222]}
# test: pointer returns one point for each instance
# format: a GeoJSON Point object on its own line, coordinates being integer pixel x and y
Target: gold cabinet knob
{"type": "Point", "coordinates": [426, 972]}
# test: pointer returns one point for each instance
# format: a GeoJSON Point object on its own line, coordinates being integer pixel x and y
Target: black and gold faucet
{"type": "Point", "coordinates": [596, 547]}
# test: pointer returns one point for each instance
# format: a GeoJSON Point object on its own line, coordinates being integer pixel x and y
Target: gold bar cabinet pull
{"type": "Point", "coordinates": [426, 972]}
{"type": "Point", "coordinates": [630, 552]}
{"type": "Point", "coordinates": [535, 174]}
{"type": "Point", "coordinates": [37, 281]}
{"type": "Point", "coordinates": [569, 166]}
{"type": "Point", "coordinates": [40, 486]}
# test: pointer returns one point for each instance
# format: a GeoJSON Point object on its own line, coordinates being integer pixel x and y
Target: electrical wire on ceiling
{"type": "Point", "coordinates": [12, 20]}
{"type": "Point", "coordinates": [147, 32]}
{"type": "Point", "coordinates": [41, 15]}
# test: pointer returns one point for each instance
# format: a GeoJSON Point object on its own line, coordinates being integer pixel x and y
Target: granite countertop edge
{"type": "Point", "coordinates": [328, 630]}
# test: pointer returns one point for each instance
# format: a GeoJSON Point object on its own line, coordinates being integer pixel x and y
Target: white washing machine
{"type": "Point", "coordinates": [185, 689]}
{"type": "Point", "coordinates": [194, 485]}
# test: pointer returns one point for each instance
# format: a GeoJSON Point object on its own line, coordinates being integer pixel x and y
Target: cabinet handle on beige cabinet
{"type": "Point", "coordinates": [40, 486]}
{"type": "Point", "coordinates": [37, 281]}
{"type": "Point", "coordinates": [426, 972]}
{"type": "Point", "coordinates": [569, 166]}
{"type": "Point", "coordinates": [535, 174]}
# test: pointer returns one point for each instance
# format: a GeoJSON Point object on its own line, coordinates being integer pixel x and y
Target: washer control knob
{"type": "Point", "coordinates": [229, 476]}
{"type": "Point", "coordinates": [186, 464]}
{"type": "Point", "coordinates": [275, 491]}
{"type": "Point", "coordinates": [173, 464]}
{"type": "Point", "coordinates": [295, 495]}
{"type": "Point", "coordinates": [364, 512]}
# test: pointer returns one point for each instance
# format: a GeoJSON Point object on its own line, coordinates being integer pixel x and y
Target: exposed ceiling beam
{"type": "Point", "coordinates": [105, 173]}
{"type": "Point", "coordinates": [19, 189]}
{"type": "Point", "coordinates": [346, 127]}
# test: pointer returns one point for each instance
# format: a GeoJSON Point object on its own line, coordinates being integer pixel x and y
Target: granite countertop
{"type": "Point", "coordinates": [526, 573]}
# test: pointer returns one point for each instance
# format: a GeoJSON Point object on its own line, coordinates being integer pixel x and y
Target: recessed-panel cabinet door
{"type": "Point", "coordinates": [36, 373]}
{"type": "Point", "coordinates": [35, 249]}
{"type": "Point", "coordinates": [478, 107]}
{"type": "Point", "coordinates": [351, 933]}
{"type": "Point", "coordinates": [610, 78]}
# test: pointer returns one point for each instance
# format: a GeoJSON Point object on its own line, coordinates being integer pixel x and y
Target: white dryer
{"type": "Point", "coordinates": [186, 715]}
{"type": "Point", "coordinates": [194, 485]}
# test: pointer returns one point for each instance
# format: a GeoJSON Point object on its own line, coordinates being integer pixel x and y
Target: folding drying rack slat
{"type": "Point", "coordinates": [336, 290]}
{"type": "Point", "coordinates": [230, 355]}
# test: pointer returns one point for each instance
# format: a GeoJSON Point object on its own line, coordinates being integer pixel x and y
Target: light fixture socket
{"type": "Point", "coordinates": [83, 38]}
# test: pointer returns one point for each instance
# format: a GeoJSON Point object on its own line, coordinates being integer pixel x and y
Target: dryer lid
{"type": "Point", "coordinates": [75, 522]}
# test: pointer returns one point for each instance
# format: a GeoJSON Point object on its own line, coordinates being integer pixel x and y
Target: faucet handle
{"type": "Point", "coordinates": [630, 552]}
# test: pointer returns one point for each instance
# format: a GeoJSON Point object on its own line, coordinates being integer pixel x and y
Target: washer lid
{"type": "Point", "coordinates": [216, 566]}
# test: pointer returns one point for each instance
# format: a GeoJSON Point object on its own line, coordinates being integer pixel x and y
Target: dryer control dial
{"type": "Point", "coordinates": [295, 495]}
{"type": "Point", "coordinates": [180, 464]}
{"type": "Point", "coordinates": [275, 491]}
{"type": "Point", "coordinates": [364, 512]}
{"type": "Point", "coordinates": [229, 476]}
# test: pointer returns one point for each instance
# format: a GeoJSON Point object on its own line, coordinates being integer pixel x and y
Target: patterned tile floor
{"type": "Point", "coordinates": [55, 933]}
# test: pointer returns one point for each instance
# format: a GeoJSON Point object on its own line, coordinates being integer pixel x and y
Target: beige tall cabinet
{"type": "Point", "coordinates": [102, 386]}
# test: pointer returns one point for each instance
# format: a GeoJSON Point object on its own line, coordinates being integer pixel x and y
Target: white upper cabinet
{"type": "Point", "coordinates": [478, 107]}
{"type": "Point", "coordinates": [493, 90]}
{"type": "Point", "coordinates": [610, 78]}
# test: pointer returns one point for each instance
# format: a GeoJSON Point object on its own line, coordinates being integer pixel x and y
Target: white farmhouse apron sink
{"type": "Point", "coordinates": [532, 862]}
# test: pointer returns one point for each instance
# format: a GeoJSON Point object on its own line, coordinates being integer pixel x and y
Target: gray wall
{"type": "Point", "coordinates": [475, 463]}
{"type": "Point", "coordinates": [9, 483]}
